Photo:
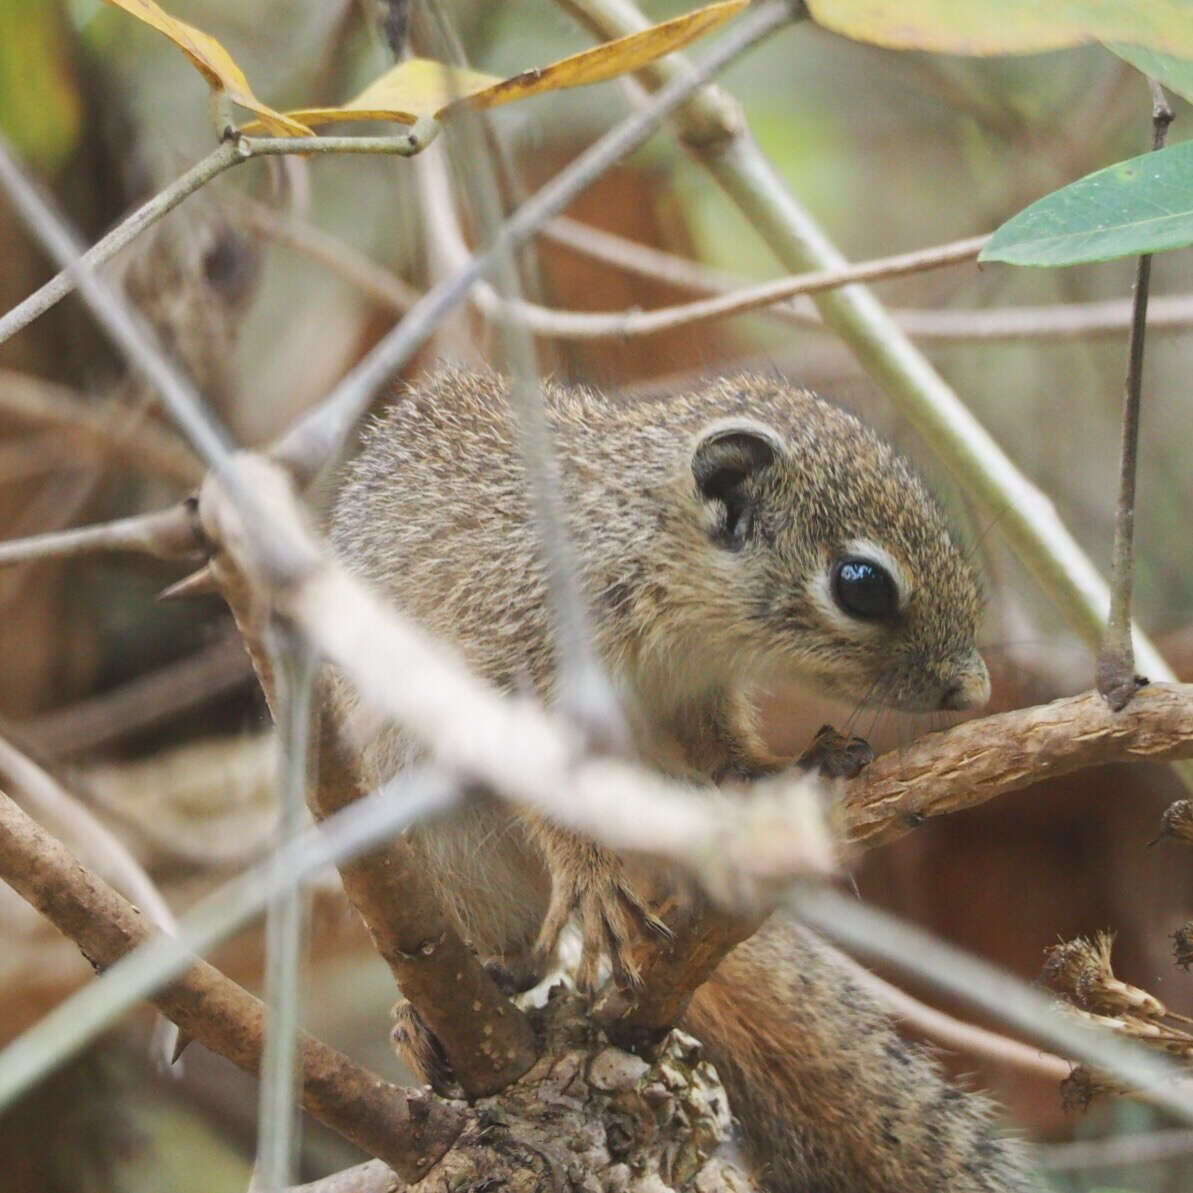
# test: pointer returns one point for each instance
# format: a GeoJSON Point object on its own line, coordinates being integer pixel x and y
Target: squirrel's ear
{"type": "Point", "coordinates": [726, 461]}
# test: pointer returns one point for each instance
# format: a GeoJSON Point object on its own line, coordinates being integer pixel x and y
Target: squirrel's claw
{"type": "Point", "coordinates": [612, 916]}
{"type": "Point", "coordinates": [832, 755]}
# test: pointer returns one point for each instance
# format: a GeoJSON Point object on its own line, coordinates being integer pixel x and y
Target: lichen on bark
{"type": "Point", "coordinates": [592, 1118]}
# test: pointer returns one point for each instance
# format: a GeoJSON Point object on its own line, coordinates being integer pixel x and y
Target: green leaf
{"type": "Point", "coordinates": [1009, 26]}
{"type": "Point", "coordinates": [1175, 73]}
{"type": "Point", "coordinates": [1142, 205]}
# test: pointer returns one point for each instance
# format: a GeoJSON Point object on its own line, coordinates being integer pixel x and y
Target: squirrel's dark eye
{"type": "Point", "coordinates": [864, 589]}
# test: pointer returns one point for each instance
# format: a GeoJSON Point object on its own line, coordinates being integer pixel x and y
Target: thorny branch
{"type": "Point", "coordinates": [409, 1131]}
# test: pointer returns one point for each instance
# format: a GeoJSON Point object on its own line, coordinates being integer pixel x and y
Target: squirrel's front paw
{"type": "Point", "coordinates": [613, 916]}
{"type": "Point", "coordinates": [835, 756]}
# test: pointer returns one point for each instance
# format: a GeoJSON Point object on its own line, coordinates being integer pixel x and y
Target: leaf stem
{"type": "Point", "coordinates": [1115, 670]}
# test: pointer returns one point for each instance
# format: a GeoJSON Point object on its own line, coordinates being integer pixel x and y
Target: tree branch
{"type": "Point", "coordinates": [974, 762]}
{"type": "Point", "coordinates": [409, 1131]}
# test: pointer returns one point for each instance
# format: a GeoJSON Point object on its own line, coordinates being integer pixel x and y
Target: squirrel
{"type": "Point", "coordinates": [737, 534]}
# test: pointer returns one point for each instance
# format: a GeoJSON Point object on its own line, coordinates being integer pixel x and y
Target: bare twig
{"type": "Point", "coordinates": [343, 259]}
{"type": "Point", "coordinates": [581, 325]}
{"type": "Point", "coordinates": [230, 153]}
{"type": "Point", "coordinates": [114, 313]}
{"type": "Point", "coordinates": [1075, 320]}
{"type": "Point", "coordinates": [973, 762]}
{"type": "Point", "coordinates": [285, 918]}
{"type": "Point", "coordinates": [585, 691]}
{"type": "Point", "coordinates": [97, 1007]}
{"type": "Point", "coordinates": [50, 800]}
{"type": "Point", "coordinates": [124, 233]}
{"type": "Point", "coordinates": [741, 299]}
{"type": "Point", "coordinates": [913, 951]}
{"type": "Point", "coordinates": [164, 534]}
{"type": "Point", "coordinates": [1115, 669]}
{"type": "Point", "coordinates": [950, 1032]}
{"type": "Point", "coordinates": [406, 1130]}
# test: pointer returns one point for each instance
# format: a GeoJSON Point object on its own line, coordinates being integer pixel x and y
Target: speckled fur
{"type": "Point", "coordinates": [433, 512]}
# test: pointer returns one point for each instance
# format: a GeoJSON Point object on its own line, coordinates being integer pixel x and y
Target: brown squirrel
{"type": "Point", "coordinates": [727, 537]}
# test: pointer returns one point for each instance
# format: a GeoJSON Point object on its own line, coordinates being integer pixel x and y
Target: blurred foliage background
{"type": "Point", "coordinates": [149, 708]}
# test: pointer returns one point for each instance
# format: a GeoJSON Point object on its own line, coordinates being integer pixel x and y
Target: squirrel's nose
{"type": "Point", "coordinates": [971, 689]}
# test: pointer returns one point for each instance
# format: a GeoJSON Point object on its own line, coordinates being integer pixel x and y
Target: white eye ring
{"type": "Point", "coordinates": [821, 588]}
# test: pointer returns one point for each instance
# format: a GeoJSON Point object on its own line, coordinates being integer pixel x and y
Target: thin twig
{"type": "Point", "coordinates": [317, 438]}
{"type": "Point", "coordinates": [285, 919]}
{"type": "Point", "coordinates": [1173, 312]}
{"type": "Point", "coordinates": [1118, 1151]}
{"type": "Point", "coordinates": [1010, 1000]}
{"type": "Point", "coordinates": [88, 1012]}
{"type": "Point", "coordinates": [343, 259]}
{"type": "Point", "coordinates": [946, 1031]}
{"type": "Point", "coordinates": [583, 325]}
{"type": "Point", "coordinates": [99, 846]}
{"type": "Point", "coordinates": [230, 153]}
{"type": "Point", "coordinates": [1115, 668]}
{"type": "Point", "coordinates": [164, 534]}
{"type": "Point", "coordinates": [59, 286]}
{"type": "Point", "coordinates": [115, 314]}
{"type": "Point", "coordinates": [406, 1130]}
{"type": "Point", "coordinates": [585, 691]}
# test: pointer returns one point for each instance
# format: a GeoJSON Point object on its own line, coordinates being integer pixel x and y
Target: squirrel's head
{"type": "Point", "coordinates": [833, 560]}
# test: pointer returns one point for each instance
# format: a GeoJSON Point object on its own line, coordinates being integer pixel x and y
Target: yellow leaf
{"type": "Point", "coordinates": [214, 63]}
{"type": "Point", "coordinates": [421, 87]}
{"type": "Point", "coordinates": [613, 58]}
{"type": "Point", "coordinates": [412, 89]}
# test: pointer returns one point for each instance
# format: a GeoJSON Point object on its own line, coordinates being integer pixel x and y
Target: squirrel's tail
{"type": "Point", "coordinates": [830, 1098]}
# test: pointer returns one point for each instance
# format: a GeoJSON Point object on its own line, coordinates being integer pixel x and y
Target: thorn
{"type": "Point", "coordinates": [180, 1046]}
{"type": "Point", "coordinates": [199, 583]}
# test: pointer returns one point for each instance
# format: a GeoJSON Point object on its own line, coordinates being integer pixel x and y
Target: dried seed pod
{"type": "Point", "coordinates": [1177, 822]}
{"type": "Point", "coordinates": [1081, 970]}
